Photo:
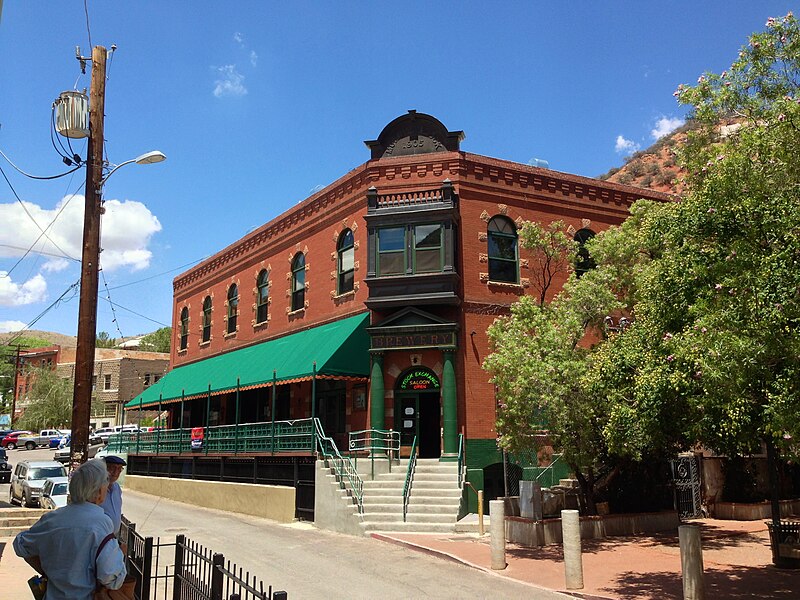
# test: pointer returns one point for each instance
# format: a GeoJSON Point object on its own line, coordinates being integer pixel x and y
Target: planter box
{"type": "Point", "coordinates": [528, 532]}
{"type": "Point", "coordinates": [752, 511]}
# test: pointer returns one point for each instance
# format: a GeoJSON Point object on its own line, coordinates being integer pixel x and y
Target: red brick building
{"type": "Point", "coordinates": [404, 261]}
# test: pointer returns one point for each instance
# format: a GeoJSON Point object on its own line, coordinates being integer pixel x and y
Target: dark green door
{"type": "Point", "coordinates": [419, 414]}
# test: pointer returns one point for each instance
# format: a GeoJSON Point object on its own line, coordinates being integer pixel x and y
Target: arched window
{"type": "Point", "coordinates": [345, 262]}
{"type": "Point", "coordinates": [184, 328]}
{"type": "Point", "coordinates": [262, 296]}
{"type": "Point", "coordinates": [207, 319]}
{"type": "Point", "coordinates": [298, 281]}
{"type": "Point", "coordinates": [233, 307]}
{"type": "Point", "coordinates": [583, 261]}
{"type": "Point", "coordinates": [503, 254]}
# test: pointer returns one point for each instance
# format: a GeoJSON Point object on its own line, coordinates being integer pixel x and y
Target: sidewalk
{"type": "Point", "coordinates": [736, 556]}
{"type": "Point", "coordinates": [14, 572]}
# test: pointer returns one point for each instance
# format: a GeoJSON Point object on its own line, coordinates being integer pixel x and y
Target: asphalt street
{"type": "Point", "coordinates": [305, 561]}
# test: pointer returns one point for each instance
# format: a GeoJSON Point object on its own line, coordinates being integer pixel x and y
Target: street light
{"type": "Point", "coordinates": [87, 308]}
{"type": "Point", "coordinates": [148, 158]}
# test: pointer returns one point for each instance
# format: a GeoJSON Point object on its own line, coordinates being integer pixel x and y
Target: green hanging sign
{"type": "Point", "coordinates": [419, 379]}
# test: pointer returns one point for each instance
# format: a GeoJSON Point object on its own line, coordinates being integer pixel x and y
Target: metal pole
{"type": "Point", "coordinates": [274, 385]}
{"type": "Point", "coordinates": [87, 307]}
{"type": "Point", "coordinates": [313, 406]}
{"type": "Point", "coordinates": [158, 429]}
{"type": "Point", "coordinates": [481, 529]}
{"type": "Point", "coordinates": [14, 395]}
{"type": "Point", "coordinates": [208, 416]}
{"type": "Point", "coordinates": [236, 434]}
{"type": "Point", "coordinates": [180, 433]}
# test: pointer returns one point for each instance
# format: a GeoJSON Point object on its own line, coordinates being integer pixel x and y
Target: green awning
{"type": "Point", "coordinates": [340, 349]}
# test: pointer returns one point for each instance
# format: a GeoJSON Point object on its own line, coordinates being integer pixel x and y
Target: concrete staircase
{"type": "Point", "coordinates": [15, 520]}
{"type": "Point", "coordinates": [433, 503]}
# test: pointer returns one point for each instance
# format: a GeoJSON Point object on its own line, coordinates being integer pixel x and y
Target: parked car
{"type": "Point", "coordinates": [10, 441]}
{"type": "Point", "coordinates": [43, 438]}
{"type": "Point", "coordinates": [54, 493]}
{"type": "Point", "coordinates": [62, 454]}
{"type": "Point", "coordinates": [107, 432]}
{"type": "Point", "coordinates": [29, 477]}
{"type": "Point", "coordinates": [5, 468]}
{"type": "Point", "coordinates": [56, 442]}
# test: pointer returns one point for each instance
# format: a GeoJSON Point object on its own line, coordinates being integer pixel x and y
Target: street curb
{"type": "Point", "coordinates": [453, 558]}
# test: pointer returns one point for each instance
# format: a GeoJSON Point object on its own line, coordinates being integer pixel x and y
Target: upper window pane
{"type": "Point", "coordinates": [233, 307]}
{"type": "Point", "coordinates": [207, 319]}
{"type": "Point", "coordinates": [262, 296]}
{"type": "Point", "coordinates": [346, 262]}
{"type": "Point", "coordinates": [393, 238]}
{"type": "Point", "coordinates": [502, 245]}
{"type": "Point", "coordinates": [298, 281]}
{"type": "Point", "coordinates": [184, 333]}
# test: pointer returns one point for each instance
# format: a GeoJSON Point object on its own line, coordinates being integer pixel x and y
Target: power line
{"type": "Point", "coordinates": [36, 241]}
{"type": "Point", "coordinates": [194, 262]}
{"type": "Point", "coordinates": [138, 314]}
{"type": "Point", "coordinates": [49, 177]}
{"type": "Point", "coordinates": [42, 252]}
{"type": "Point", "coordinates": [88, 30]}
{"type": "Point", "coordinates": [58, 301]}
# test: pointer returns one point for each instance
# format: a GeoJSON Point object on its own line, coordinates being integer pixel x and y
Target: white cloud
{"type": "Point", "coordinates": [14, 294]}
{"type": "Point", "coordinates": [126, 228]}
{"type": "Point", "coordinates": [238, 38]}
{"type": "Point", "coordinates": [9, 326]}
{"type": "Point", "coordinates": [625, 146]}
{"type": "Point", "coordinates": [253, 58]}
{"type": "Point", "coordinates": [230, 82]}
{"type": "Point", "coordinates": [665, 126]}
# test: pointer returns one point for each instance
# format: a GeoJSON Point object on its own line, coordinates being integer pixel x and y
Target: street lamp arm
{"type": "Point", "coordinates": [148, 158]}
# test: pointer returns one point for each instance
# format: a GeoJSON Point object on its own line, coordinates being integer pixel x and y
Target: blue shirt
{"type": "Point", "coordinates": [66, 541]}
{"type": "Point", "coordinates": [113, 506]}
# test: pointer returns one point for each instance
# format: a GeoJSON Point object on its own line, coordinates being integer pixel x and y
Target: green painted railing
{"type": "Point", "coordinates": [412, 465]}
{"type": "Point", "coordinates": [344, 469]}
{"type": "Point", "coordinates": [286, 436]}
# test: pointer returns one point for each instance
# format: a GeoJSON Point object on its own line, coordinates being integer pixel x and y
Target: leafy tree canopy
{"type": "Point", "coordinates": [104, 340]}
{"type": "Point", "coordinates": [158, 341]}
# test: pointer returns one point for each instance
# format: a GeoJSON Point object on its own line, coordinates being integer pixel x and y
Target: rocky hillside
{"type": "Point", "coordinates": [654, 168]}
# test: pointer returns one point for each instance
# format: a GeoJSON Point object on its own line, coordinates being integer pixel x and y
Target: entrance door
{"type": "Point", "coordinates": [419, 414]}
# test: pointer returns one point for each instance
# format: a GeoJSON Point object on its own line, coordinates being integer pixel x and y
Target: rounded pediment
{"type": "Point", "coordinates": [414, 133]}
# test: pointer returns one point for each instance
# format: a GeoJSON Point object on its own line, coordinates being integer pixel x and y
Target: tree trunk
{"type": "Point", "coordinates": [772, 468]}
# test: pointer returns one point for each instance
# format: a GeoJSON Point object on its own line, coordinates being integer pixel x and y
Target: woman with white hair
{"type": "Point", "coordinates": [74, 546]}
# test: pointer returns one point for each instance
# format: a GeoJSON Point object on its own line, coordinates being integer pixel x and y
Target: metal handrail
{"type": "Point", "coordinates": [344, 468]}
{"type": "Point", "coordinates": [460, 460]}
{"type": "Point", "coordinates": [380, 443]}
{"type": "Point", "coordinates": [412, 465]}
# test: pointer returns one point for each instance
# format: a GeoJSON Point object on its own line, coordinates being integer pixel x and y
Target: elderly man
{"type": "Point", "coordinates": [113, 502]}
{"type": "Point", "coordinates": [70, 546]}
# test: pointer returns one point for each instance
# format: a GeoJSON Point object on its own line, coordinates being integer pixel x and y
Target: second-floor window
{"type": "Point", "coordinates": [410, 249]}
{"type": "Point", "coordinates": [262, 296]}
{"type": "Point", "coordinates": [207, 319]}
{"type": "Point", "coordinates": [583, 261]}
{"type": "Point", "coordinates": [233, 307]}
{"type": "Point", "coordinates": [345, 262]}
{"type": "Point", "coordinates": [298, 281]}
{"type": "Point", "coordinates": [184, 328]}
{"type": "Point", "coordinates": [106, 382]}
{"type": "Point", "coordinates": [503, 254]}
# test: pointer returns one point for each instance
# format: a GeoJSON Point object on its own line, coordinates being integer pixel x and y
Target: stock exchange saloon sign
{"type": "Point", "coordinates": [419, 379]}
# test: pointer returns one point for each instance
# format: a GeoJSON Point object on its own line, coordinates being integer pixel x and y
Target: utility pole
{"type": "Point", "coordinates": [90, 259]}
{"type": "Point", "coordinates": [16, 387]}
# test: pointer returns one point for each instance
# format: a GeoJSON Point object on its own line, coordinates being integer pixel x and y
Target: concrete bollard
{"type": "Point", "coordinates": [691, 562]}
{"type": "Point", "coordinates": [497, 531]}
{"type": "Point", "coordinates": [573, 561]}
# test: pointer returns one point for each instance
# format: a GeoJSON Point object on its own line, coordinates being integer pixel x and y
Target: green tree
{"type": "Point", "coordinates": [713, 356]}
{"type": "Point", "coordinates": [104, 340]}
{"type": "Point", "coordinates": [158, 341]}
{"type": "Point", "coordinates": [8, 356]}
{"type": "Point", "coordinates": [50, 399]}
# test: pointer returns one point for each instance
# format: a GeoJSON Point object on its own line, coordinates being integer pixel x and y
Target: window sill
{"type": "Point", "coordinates": [261, 325]}
{"type": "Point", "coordinates": [293, 314]}
{"type": "Point", "coordinates": [232, 334]}
{"type": "Point", "coordinates": [505, 285]}
{"type": "Point", "coordinates": [182, 351]}
{"type": "Point", "coordinates": [204, 344]}
{"type": "Point", "coordinates": [344, 296]}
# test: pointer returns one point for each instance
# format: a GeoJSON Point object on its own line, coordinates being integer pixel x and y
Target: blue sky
{"type": "Point", "coordinates": [257, 104]}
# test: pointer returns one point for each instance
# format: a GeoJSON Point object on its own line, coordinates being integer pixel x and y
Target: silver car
{"type": "Point", "coordinates": [29, 477]}
{"type": "Point", "coordinates": [54, 493]}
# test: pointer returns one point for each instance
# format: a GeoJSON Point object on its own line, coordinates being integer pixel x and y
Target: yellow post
{"type": "Point", "coordinates": [481, 530]}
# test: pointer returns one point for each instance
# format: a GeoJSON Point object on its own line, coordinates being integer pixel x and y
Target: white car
{"type": "Point", "coordinates": [54, 493]}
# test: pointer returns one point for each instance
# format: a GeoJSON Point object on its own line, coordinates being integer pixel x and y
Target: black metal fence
{"type": "Point", "coordinates": [189, 572]}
